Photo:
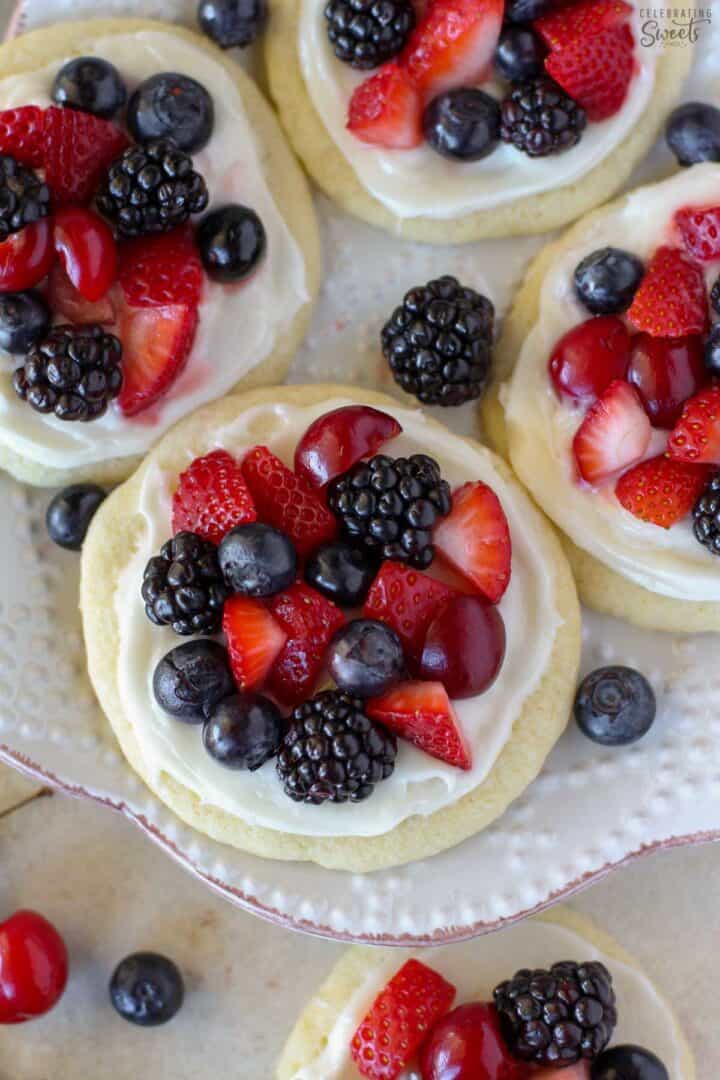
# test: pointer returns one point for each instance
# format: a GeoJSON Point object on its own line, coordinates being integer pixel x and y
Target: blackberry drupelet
{"type": "Point", "coordinates": [74, 372]}
{"type": "Point", "coordinates": [23, 197]}
{"type": "Point", "coordinates": [151, 189]}
{"type": "Point", "coordinates": [366, 33]}
{"type": "Point", "coordinates": [539, 118]}
{"type": "Point", "coordinates": [560, 1016]}
{"type": "Point", "coordinates": [706, 516]}
{"type": "Point", "coordinates": [183, 587]}
{"type": "Point", "coordinates": [333, 752]}
{"type": "Point", "coordinates": [390, 505]}
{"type": "Point", "coordinates": [438, 342]}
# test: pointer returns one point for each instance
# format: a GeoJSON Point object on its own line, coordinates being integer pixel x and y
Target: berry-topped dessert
{"type": "Point", "coordinates": [552, 998]}
{"type": "Point", "coordinates": [323, 627]}
{"type": "Point", "coordinates": [157, 243]}
{"type": "Point", "coordinates": [451, 120]}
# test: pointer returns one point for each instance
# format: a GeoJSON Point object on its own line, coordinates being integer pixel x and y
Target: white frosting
{"type": "Point", "coordinates": [421, 181]}
{"type": "Point", "coordinates": [666, 561]}
{"type": "Point", "coordinates": [420, 784]}
{"type": "Point", "coordinates": [476, 967]}
{"type": "Point", "coordinates": [238, 324]}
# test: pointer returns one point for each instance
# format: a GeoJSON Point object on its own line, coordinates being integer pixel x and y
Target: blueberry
{"type": "Point", "coordinates": [24, 320]}
{"type": "Point", "coordinates": [257, 560]}
{"type": "Point", "coordinates": [606, 280]}
{"type": "Point", "coordinates": [715, 297]}
{"type": "Point", "coordinates": [232, 242]}
{"type": "Point", "coordinates": [341, 572]}
{"type": "Point", "coordinates": [712, 350]}
{"type": "Point", "coordinates": [520, 54]}
{"type": "Point", "coordinates": [147, 989]}
{"type": "Point", "coordinates": [520, 11]}
{"type": "Point", "coordinates": [462, 124]}
{"type": "Point", "coordinates": [628, 1063]}
{"type": "Point", "coordinates": [172, 106]}
{"type": "Point", "coordinates": [615, 706]}
{"type": "Point", "coordinates": [70, 512]}
{"type": "Point", "coordinates": [91, 85]}
{"type": "Point", "coordinates": [192, 679]}
{"type": "Point", "coordinates": [365, 657]}
{"type": "Point", "coordinates": [232, 22]}
{"type": "Point", "coordinates": [243, 732]}
{"type": "Point", "coordinates": [693, 133]}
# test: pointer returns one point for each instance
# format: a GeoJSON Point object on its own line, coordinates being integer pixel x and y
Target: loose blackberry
{"type": "Point", "coordinates": [183, 587]}
{"type": "Point", "coordinates": [74, 372]}
{"type": "Point", "coordinates": [366, 33]}
{"type": "Point", "coordinates": [151, 188]}
{"type": "Point", "coordinates": [438, 342]}
{"type": "Point", "coordinates": [390, 506]}
{"type": "Point", "coordinates": [706, 516]}
{"type": "Point", "coordinates": [23, 197]}
{"type": "Point", "coordinates": [333, 752]}
{"type": "Point", "coordinates": [539, 118]}
{"type": "Point", "coordinates": [560, 1016]}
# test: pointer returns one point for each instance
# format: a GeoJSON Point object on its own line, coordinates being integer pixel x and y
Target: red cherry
{"type": "Point", "coordinates": [86, 247]}
{"type": "Point", "coordinates": [33, 967]}
{"type": "Point", "coordinates": [26, 256]}
{"type": "Point", "coordinates": [337, 439]}
{"type": "Point", "coordinates": [467, 1044]}
{"type": "Point", "coordinates": [590, 356]}
{"type": "Point", "coordinates": [666, 372]}
{"type": "Point", "coordinates": [464, 646]}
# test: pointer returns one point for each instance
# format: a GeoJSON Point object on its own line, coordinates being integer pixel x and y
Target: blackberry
{"type": "Point", "coordinates": [390, 506]}
{"type": "Point", "coordinates": [560, 1016]}
{"type": "Point", "coordinates": [333, 752]}
{"type": "Point", "coordinates": [438, 342]}
{"type": "Point", "coordinates": [706, 516]}
{"type": "Point", "coordinates": [74, 372]}
{"type": "Point", "coordinates": [23, 197]}
{"type": "Point", "coordinates": [151, 189]}
{"type": "Point", "coordinates": [183, 587]}
{"type": "Point", "coordinates": [366, 33]}
{"type": "Point", "coordinates": [539, 118]}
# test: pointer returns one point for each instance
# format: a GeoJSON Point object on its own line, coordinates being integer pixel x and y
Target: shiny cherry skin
{"type": "Point", "coordinates": [26, 256]}
{"type": "Point", "coordinates": [666, 372]}
{"type": "Point", "coordinates": [33, 967]}
{"type": "Point", "coordinates": [590, 356]}
{"type": "Point", "coordinates": [464, 646]}
{"type": "Point", "coordinates": [338, 439]}
{"type": "Point", "coordinates": [86, 247]}
{"type": "Point", "coordinates": [467, 1044]}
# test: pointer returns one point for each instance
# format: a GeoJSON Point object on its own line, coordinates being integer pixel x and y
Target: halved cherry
{"type": "Point", "coordinates": [590, 356]}
{"type": "Point", "coordinates": [26, 256]}
{"type": "Point", "coordinates": [666, 372]}
{"type": "Point", "coordinates": [86, 247]}
{"type": "Point", "coordinates": [467, 1044]}
{"type": "Point", "coordinates": [337, 439]}
{"type": "Point", "coordinates": [33, 967]}
{"type": "Point", "coordinates": [69, 305]}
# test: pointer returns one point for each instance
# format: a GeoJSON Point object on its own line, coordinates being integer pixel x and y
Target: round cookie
{"type": "Point", "coordinates": [113, 534]}
{"type": "Point", "coordinates": [285, 182]}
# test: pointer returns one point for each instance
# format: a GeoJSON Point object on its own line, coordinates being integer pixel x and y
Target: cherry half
{"type": "Point", "coordinates": [590, 356]}
{"type": "Point", "coordinates": [337, 439]}
{"type": "Point", "coordinates": [26, 256]}
{"type": "Point", "coordinates": [86, 247]}
{"type": "Point", "coordinates": [464, 646]}
{"type": "Point", "coordinates": [33, 967]}
{"type": "Point", "coordinates": [467, 1044]}
{"type": "Point", "coordinates": [666, 372]}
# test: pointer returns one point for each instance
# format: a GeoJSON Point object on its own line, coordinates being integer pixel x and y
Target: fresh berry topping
{"type": "Point", "coordinates": [463, 124]}
{"type": "Point", "coordinates": [633, 1062]}
{"type": "Point", "coordinates": [666, 372]}
{"type": "Point", "coordinates": [421, 713]}
{"type": "Point", "coordinates": [146, 989]}
{"type": "Point", "coordinates": [232, 242]}
{"type": "Point", "coordinates": [333, 752]}
{"type": "Point", "coordinates": [33, 967]}
{"type": "Point", "coordinates": [26, 257]}
{"type": "Point", "coordinates": [693, 133]}
{"type": "Point", "coordinates": [467, 1044]}
{"type": "Point", "coordinates": [581, 21]}
{"type": "Point", "coordinates": [406, 600]}
{"type": "Point", "coordinates": [70, 512]}
{"type": "Point", "coordinates": [340, 438]}
{"type": "Point", "coordinates": [386, 110]}
{"type": "Point", "coordinates": [156, 345]}
{"type": "Point", "coordinates": [453, 45]}
{"type": "Point", "coordinates": [78, 148]}
{"type": "Point", "coordinates": [24, 320]}
{"type": "Point", "coordinates": [158, 270]}
{"type": "Point", "coordinates": [661, 490]}
{"type": "Point", "coordinates": [22, 135]}
{"type": "Point", "coordinates": [183, 588]}
{"type": "Point", "coordinates": [671, 300]}
{"type": "Point", "coordinates": [86, 247]}
{"type": "Point", "coordinates": [524, 11]}
{"type": "Point", "coordinates": [287, 501]}
{"type": "Point", "coordinates": [341, 572]}
{"type": "Point", "coordinates": [233, 23]}
{"type": "Point", "coordinates": [614, 435]}
{"type": "Point", "coordinates": [243, 731]}
{"type": "Point", "coordinates": [171, 106]}
{"type": "Point", "coordinates": [700, 231]}
{"type": "Point", "coordinates": [366, 33]}
{"type": "Point", "coordinates": [606, 280]}
{"type": "Point", "coordinates": [212, 497]}
{"type": "Point", "coordinates": [191, 679]}
{"type": "Point", "coordinates": [715, 297]}
{"type": "Point", "coordinates": [254, 640]}
{"type": "Point", "coordinates": [475, 539]}
{"type": "Point", "coordinates": [539, 118]}
{"type": "Point", "coordinates": [706, 517]}
{"type": "Point", "coordinates": [696, 436]}
{"type": "Point", "coordinates": [309, 620]}
{"type": "Point", "coordinates": [596, 72]}
{"type": "Point", "coordinates": [68, 305]}
{"type": "Point", "coordinates": [365, 657]}
{"type": "Point", "coordinates": [91, 85]}
{"type": "Point", "coordinates": [520, 54]}
{"type": "Point", "coordinates": [464, 647]}
{"type": "Point", "coordinates": [257, 560]}
{"type": "Point", "coordinates": [590, 356]}
{"type": "Point", "coordinates": [24, 199]}
{"type": "Point", "coordinates": [711, 352]}
{"type": "Point", "coordinates": [614, 706]}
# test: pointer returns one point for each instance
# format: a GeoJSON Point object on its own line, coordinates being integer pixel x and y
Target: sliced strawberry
{"type": "Point", "coordinates": [399, 1021]}
{"type": "Point", "coordinates": [596, 71]}
{"type": "Point", "coordinates": [21, 135]}
{"type": "Point", "coordinates": [78, 147]}
{"type": "Point", "coordinates": [156, 344]}
{"type": "Point", "coordinates": [671, 300]}
{"type": "Point", "coordinates": [661, 490]}
{"type": "Point", "coordinates": [408, 601]}
{"type": "Point", "coordinates": [421, 713]}
{"type": "Point", "coordinates": [287, 502]}
{"type": "Point", "coordinates": [70, 306]}
{"type": "Point", "coordinates": [614, 434]}
{"type": "Point", "coordinates": [696, 436]}
{"type": "Point", "coordinates": [254, 640]}
{"type": "Point", "coordinates": [453, 44]}
{"type": "Point", "coordinates": [700, 230]}
{"type": "Point", "coordinates": [386, 110]}
{"type": "Point", "coordinates": [309, 620]}
{"type": "Point", "coordinates": [475, 539]}
{"type": "Point", "coordinates": [159, 270]}
{"type": "Point", "coordinates": [581, 21]}
{"type": "Point", "coordinates": [212, 497]}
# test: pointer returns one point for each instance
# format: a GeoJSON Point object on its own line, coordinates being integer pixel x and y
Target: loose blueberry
{"type": "Point", "coordinates": [243, 732]}
{"type": "Point", "coordinates": [462, 124]}
{"type": "Point", "coordinates": [628, 1063]}
{"type": "Point", "coordinates": [91, 85]}
{"type": "Point", "coordinates": [521, 11]}
{"type": "Point", "coordinates": [365, 657]}
{"type": "Point", "coordinates": [70, 512]}
{"type": "Point", "coordinates": [712, 350]}
{"type": "Point", "coordinates": [192, 679]}
{"type": "Point", "coordinates": [693, 133]}
{"type": "Point", "coordinates": [172, 106]}
{"type": "Point", "coordinates": [147, 989]}
{"type": "Point", "coordinates": [24, 320]}
{"type": "Point", "coordinates": [232, 242]}
{"type": "Point", "coordinates": [606, 280]}
{"type": "Point", "coordinates": [520, 54]}
{"type": "Point", "coordinates": [232, 22]}
{"type": "Point", "coordinates": [341, 572]}
{"type": "Point", "coordinates": [615, 706]}
{"type": "Point", "coordinates": [257, 560]}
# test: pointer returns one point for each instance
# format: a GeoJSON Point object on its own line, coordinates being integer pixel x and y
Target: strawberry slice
{"type": "Point", "coordinates": [700, 230]}
{"type": "Point", "coordinates": [254, 640]}
{"type": "Point", "coordinates": [21, 135]}
{"type": "Point", "coordinates": [661, 490]}
{"type": "Point", "coordinates": [475, 539]}
{"type": "Point", "coordinates": [309, 620]}
{"type": "Point", "coordinates": [408, 601]}
{"type": "Point", "coordinates": [212, 497]}
{"type": "Point", "coordinates": [386, 110]}
{"type": "Point", "coordinates": [596, 71]}
{"type": "Point", "coordinates": [671, 300]}
{"type": "Point", "coordinates": [78, 147]}
{"type": "Point", "coordinates": [286, 501]}
{"type": "Point", "coordinates": [453, 44]}
{"type": "Point", "coordinates": [156, 344]}
{"type": "Point", "coordinates": [696, 436]}
{"type": "Point", "coordinates": [399, 1020]}
{"type": "Point", "coordinates": [159, 270]}
{"type": "Point", "coordinates": [421, 713]}
{"type": "Point", "coordinates": [615, 434]}
{"type": "Point", "coordinates": [581, 21]}
{"type": "Point", "coordinates": [69, 305]}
